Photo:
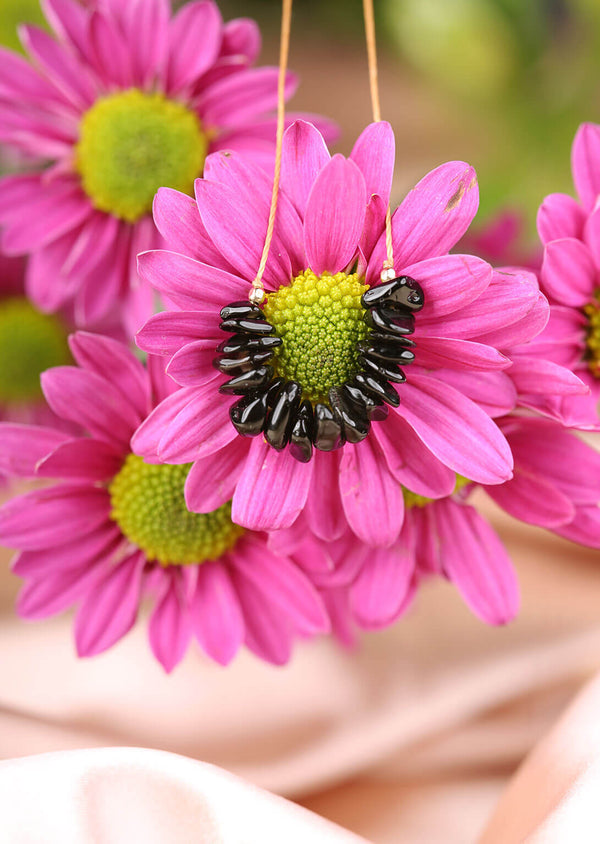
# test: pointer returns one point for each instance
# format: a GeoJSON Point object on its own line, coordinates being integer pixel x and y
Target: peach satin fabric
{"type": "Point", "coordinates": [412, 738]}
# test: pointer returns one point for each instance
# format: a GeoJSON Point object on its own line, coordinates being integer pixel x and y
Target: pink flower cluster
{"type": "Point", "coordinates": [273, 473]}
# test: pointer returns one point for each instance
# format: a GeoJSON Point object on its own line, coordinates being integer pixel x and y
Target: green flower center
{"type": "Point", "coordinates": [148, 504]}
{"type": "Point", "coordinates": [320, 320]}
{"type": "Point", "coordinates": [411, 499]}
{"type": "Point", "coordinates": [592, 312]}
{"type": "Point", "coordinates": [30, 342]}
{"type": "Point", "coordinates": [131, 144]}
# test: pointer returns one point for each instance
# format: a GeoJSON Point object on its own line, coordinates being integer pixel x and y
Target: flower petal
{"type": "Point", "coordinates": [443, 352]}
{"type": "Point", "coordinates": [303, 157]}
{"type": "Point", "coordinates": [212, 480]}
{"type": "Point", "coordinates": [568, 274]}
{"type": "Point", "coordinates": [560, 216]}
{"type": "Point", "coordinates": [215, 613]}
{"type": "Point", "coordinates": [585, 157]}
{"type": "Point", "coordinates": [195, 41]}
{"type": "Point", "coordinates": [169, 629]}
{"type": "Point", "coordinates": [23, 446]}
{"type": "Point", "coordinates": [374, 153]}
{"type": "Point", "coordinates": [81, 460]}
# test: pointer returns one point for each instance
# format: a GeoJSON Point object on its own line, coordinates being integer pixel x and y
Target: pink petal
{"type": "Point", "coordinates": [215, 613]}
{"type": "Point", "coordinates": [477, 563]}
{"type": "Point", "coordinates": [367, 488]}
{"type": "Point", "coordinates": [200, 428]}
{"type": "Point", "coordinates": [113, 58]}
{"type": "Point", "coordinates": [113, 360]}
{"type": "Point", "coordinates": [282, 584]}
{"type": "Point", "coordinates": [45, 283]}
{"type": "Point", "coordinates": [521, 330]}
{"type": "Point", "coordinates": [47, 517]}
{"type": "Point", "coordinates": [109, 611]}
{"type": "Point", "coordinates": [169, 629]}
{"type": "Point", "coordinates": [53, 593]}
{"type": "Point", "coordinates": [241, 37]}
{"type": "Point", "coordinates": [97, 545]}
{"type": "Point", "coordinates": [326, 517]}
{"type": "Point", "coordinates": [335, 215]}
{"type": "Point", "coordinates": [559, 216]}
{"type": "Point", "coordinates": [211, 481]}
{"type": "Point", "coordinates": [585, 158]}
{"type": "Point", "coordinates": [61, 66]}
{"type": "Point", "coordinates": [69, 20]}
{"type": "Point", "coordinates": [272, 489]}
{"type": "Point", "coordinates": [267, 630]}
{"type": "Point", "coordinates": [442, 352]}
{"type": "Point", "coordinates": [456, 430]}
{"type": "Point", "coordinates": [147, 437]}
{"type": "Point", "coordinates": [568, 274]}
{"type": "Point", "coordinates": [192, 365]}
{"type": "Point", "coordinates": [378, 594]}
{"type": "Point", "coordinates": [585, 527]}
{"type": "Point", "coordinates": [90, 401]}
{"type": "Point", "coordinates": [535, 375]}
{"type": "Point", "coordinates": [374, 153]}
{"type": "Point", "coordinates": [23, 446]}
{"type": "Point", "coordinates": [411, 465]}
{"type": "Point", "coordinates": [20, 82]}
{"type": "Point", "coordinates": [303, 157]}
{"type": "Point", "coordinates": [591, 235]}
{"type": "Point", "coordinates": [195, 41]}
{"type": "Point", "coordinates": [450, 283]}
{"type": "Point", "coordinates": [433, 217]}
{"type": "Point", "coordinates": [534, 500]}
{"type": "Point", "coordinates": [148, 39]}
{"type": "Point", "coordinates": [242, 95]}
{"type": "Point", "coordinates": [81, 460]}
{"type": "Point", "coordinates": [168, 332]}
{"type": "Point", "coordinates": [177, 219]}
{"type": "Point", "coordinates": [494, 392]}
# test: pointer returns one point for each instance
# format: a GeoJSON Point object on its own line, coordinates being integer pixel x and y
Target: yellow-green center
{"type": "Point", "coordinates": [131, 144]}
{"type": "Point", "coordinates": [592, 312]}
{"type": "Point", "coordinates": [148, 504]}
{"type": "Point", "coordinates": [320, 320]}
{"type": "Point", "coordinates": [411, 499]}
{"type": "Point", "coordinates": [30, 342]}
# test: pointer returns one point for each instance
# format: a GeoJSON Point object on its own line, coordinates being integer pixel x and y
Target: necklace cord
{"type": "Point", "coordinates": [284, 49]}
{"type": "Point", "coordinates": [369, 18]}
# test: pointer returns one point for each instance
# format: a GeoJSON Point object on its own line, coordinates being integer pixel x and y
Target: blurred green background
{"type": "Point", "coordinates": [502, 84]}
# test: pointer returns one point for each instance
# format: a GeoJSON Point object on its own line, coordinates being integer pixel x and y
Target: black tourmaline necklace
{"type": "Point", "coordinates": [316, 366]}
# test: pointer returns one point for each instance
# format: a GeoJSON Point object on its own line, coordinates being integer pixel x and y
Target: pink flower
{"type": "Point", "coordinates": [570, 232]}
{"type": "Point", "coordinates": [556, 485]}
{"type": "Point", "coordinates": [125, 98]}
{"type": "Point", "coordinates": [115, 528]}
{"type": "Point", "coordinates": [330, 221]}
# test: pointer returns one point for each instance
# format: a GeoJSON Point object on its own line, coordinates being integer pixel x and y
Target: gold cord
{"type": "Point", "coordinates": [257, 293]}
{"type": "Point", "coordinates": [369, 17]}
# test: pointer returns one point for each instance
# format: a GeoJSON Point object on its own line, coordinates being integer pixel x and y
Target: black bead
{"type": "Point", "coordinates": [389, 371]}
{"type": "Point", "coordinates": [242, 343]}
{"type": "Point", "coordinates": [239, 365]}
{"type": "Point", "coordinates": [388, 350]}
{"type": "Point", "coordinates": [389, 321]}
{"type": "Point", "coordinates": [273, 390]}
{"type": "Point", "coordinates": [303, 433]}
{"type": "Point", "coordinates": [281, 418]}
{"type": "Point", "coordinates": [249, 414]}
{"type": "Point", "coordinates": [247, 325]}
{"type": "Point", "coordinates": [248, 382]}
{"type": "Point", "coordinates": [352, 418]}
{"type": "Point", "coordinates": [328, 430]}
{"type": "Point", "coordinates": [241, 309]}
{"type": "Point", "coordinates": [403, 292]}
{"type": "Point", "coordinates": [378, 386]}
{"type": "Point", "coordinates": [376, 410]}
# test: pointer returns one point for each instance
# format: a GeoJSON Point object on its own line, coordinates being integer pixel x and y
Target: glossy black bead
{"type": "Point", "coordinates": [387, 350]}
{"type": "Point", "coordinates": [353, 419]}
{"type": "Point", "coordinates": [249, 414]}
{"type": "Point", "coordinates": [247, 325]}
{"type": "Point", "coordinates": [273, 390]}
{"type": "Point", "coordinates": [389, 321]}
{"type": "Point", "coordinates": [248, 382]}
{"type": "Point", "coordinates": [402, 291]}
{"type": "Point", "coordinates": [378, 386]}
{"type": "Point", "coordinates": [242, 343]}
{"type": "Point", "coordinates": [244, 363]}
{"type": "Point", "coordinates": [281, 418]}
{"type": "Point", "coordinates": [389, 371]}
{"type": "Point", "coordinates": [376, 410]}
{"type": "Point", "coordinates": [241, 309]}
{"type": "Point", "coordinates": [303, 433]}
{"type": "Point", "coordinates": [328, 430]}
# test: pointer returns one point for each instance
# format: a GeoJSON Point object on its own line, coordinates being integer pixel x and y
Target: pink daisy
{"type": "Point", "coordinates": [328, 249]}
{"type": "Point", "coordinates": [115, 528]}
{"type": "Point", "coordinates": [125, 98]}
{"type": "Point", "coordinates": [556, 485]}
{"type": "Point", "coordinates": [570, 232]}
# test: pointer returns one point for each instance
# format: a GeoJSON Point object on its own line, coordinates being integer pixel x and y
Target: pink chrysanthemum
{"type": "Point", "coordinates": [556, 485]}
{"type": "Point", "coordinates": [124, 99]}
{"type": "Point", "coordinates": [328, 246]}
{"type": "Point", "coordinates": [116, 528]}
{"type": "Point", "coordinates": [570, 232]}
